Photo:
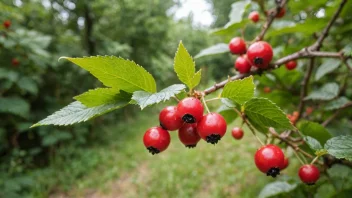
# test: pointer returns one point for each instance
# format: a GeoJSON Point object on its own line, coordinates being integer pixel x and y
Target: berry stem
{"type": "Point", "coordinates": [314, 160]}
{"type": "Point", "coordinates": [213, 99]}
{"type": "Point", "coordinates": [205, 104]}
{"type": "Point", "coordinates": [298, 157]}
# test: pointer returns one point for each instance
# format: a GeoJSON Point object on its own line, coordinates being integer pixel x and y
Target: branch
{"type": "Point", "coordinates": [319, 42]}
{"type": "Point", "coordinates": [304, 88]}
{"type": "Point", "coordinates": [333, 116]}
{"type": "Point", "coordinates": [270, 19]}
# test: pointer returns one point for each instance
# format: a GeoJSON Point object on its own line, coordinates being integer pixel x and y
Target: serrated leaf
{"type": "Point", "coordinates": [336, 104]}
{"type": "Point", "coordinates": [76, 112]}
{"type": "Point", "coordinates": [327, 92]}
{"type": "Point", "coordinates": [101, 96]}
{"type": "Point", "coordinates": [313, 143]}
{"type": "Point", "coordinates": [28, 84]}
{"type": "Point", "coordinates": [14, 105]}
{"type": "Point", "coordinates": [315, 130]}
{"type": "Point", "coordinates": [184, 67]}
{"type": "Point", "coordinates": [340, 147]}
{"type": "Point", "coordinates": [327, 67]}
{"type": "Point", "coordinates": [145, 99]}
{"type": "Point", "coordinates": [237, 10]}
{"type": "Point", "coordinates": [228, 113]}
{"type": "Point", "coordinates": [215, 49]}
{"type": "Point", "coordinates": [239, 91]}
{"type": "Point", "coordinates": [262, 114]}
{"type": "Point", "coordinates": [117, 73]}
{"type": "Point", "coordinates": [276, 188]}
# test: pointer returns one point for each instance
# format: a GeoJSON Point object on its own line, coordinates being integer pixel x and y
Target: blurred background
{"type": "Point", "coordinates": [105, 157]}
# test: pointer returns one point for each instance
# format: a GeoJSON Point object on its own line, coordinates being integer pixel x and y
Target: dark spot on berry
{"type": "Point", "coordinates": [258, 61]}
{"type": "Point", "coordinates": [310, 184]}
{"type": "Point", "coordinates": [191, 146]}
{"type": "Point", "coordinates": [273, 172]}
{"type": "Point", "coordinates": [213, 138]}
{"type": "Point", "coordinates": [162, 126]}
{"type": "Point", "coordinates": [188, 118]}
{"type": "Point", "coordinates": [153, 150]}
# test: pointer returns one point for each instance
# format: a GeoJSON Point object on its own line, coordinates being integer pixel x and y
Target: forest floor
{"type": "Point", "coordinates": [122, 168]}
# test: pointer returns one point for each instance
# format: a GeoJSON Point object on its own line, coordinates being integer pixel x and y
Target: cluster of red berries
{"type": "Point", "coordinates": [7, 24]}
{"type": "Point", "coordinates": [259, 54]}
{"type": "Point", "coordinates": [187, 117]}
{"type": "Point", "coordinates": [270, 159]}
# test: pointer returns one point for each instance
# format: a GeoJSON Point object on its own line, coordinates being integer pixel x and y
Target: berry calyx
{"type": "Point", "coordinates": [188, 135]}
{"type": "Point", "coordinates": [237, 46]}
{"type": "Point", "coordinates": [169, 119]}
{"type": "Point", "coordinates": [309, 174]}
{"type": "Point", "coordinates": [156, 140]}
{"type": "Point", "coordinates": [260, 54]}
{"type": "Point", "coordinates": [242, 64]}
{"type": "Point", "coordinates": [15, 62]}
{"type": "Point", "coordinates": [285, 164]}
{"type": "Point", "coordinates": [269, 159]}
{"type": "Point", "coordinates": [190, 110]}
{"type": "Point", "coordinates": [281, 13]}
{"type": "Point", "coordinates": [254, 16]}
{"type": "Point", "coordinates": [212, 127]}
{"type": "Point", "coordinates": [291, 65]}
{"type": "Point", "coordinates": [237, 133]}
{"type": "Point", "coordinates": [7, 24]}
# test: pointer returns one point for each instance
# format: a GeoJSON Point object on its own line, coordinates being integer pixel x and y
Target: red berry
{"type": "Point", "coordinates": [237, 46]}
{"type": "Point", "coordinates": [212, 127]}
{"type": "Point", "coordinates": [267, 90]}
{"type": "Point", "coordinates": [156, 140]}
{"type": "Point", "coordinates": [190, 110]}
{"type": "Point", "coordinates": [15, 62]}
{"type": "Point", "coordinates": [260, 54]}
{"type": "Point", "coordinates": [237, 133]}
{"type": "Point", "coordinates": [242, 64]}
{"type": "Point", "coordinates": [291, 65]}
{"type": "Point", "coordinates": [188, 135]}
{"type": "Point", "coordinates": [169, 119]}
{"type": "Point", "coordinates": [309, 174]}
{"type": "Point", "coordinates": [254, 16]}
{"type": "Point", "coordinates": [285, 164]}
{"type": "Point", "coordinates": [309, 110]}
{"type": "Point", "coordinates": [7, 24]}
{"type": "Point", "coordinates": [269, 159]}
{"type": "Point", "coordinates": [281, 13]}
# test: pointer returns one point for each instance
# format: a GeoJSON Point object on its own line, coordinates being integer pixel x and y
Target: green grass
{"type": "Point", "coordinates": [122, 167]}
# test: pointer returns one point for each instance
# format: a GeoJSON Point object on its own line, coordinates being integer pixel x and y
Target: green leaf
{"type": "Point", "coordinates": [237, 10]}
{"type": "Point", "coordinates": [228, 113]}
{"type": "Point", "coordinates": [315, 130]}
{"type": "Point", "coordinates": [101, 96]}
{"type": "Point", "coordinates": [340, 147]}
{"type": "Point", "coordinates": [276, 188]}
{"type": "Point", "coordinates": [239, 91]}
{"type": "Point", "coordinates": [28, 85]}
{"type": "Point", "coordinates": [117, 73]}
{"type": "Point", "coordinates": [185, 67]}
{"type": "Point", "coordinates": [145, 99]}
{"type": "Point", "coordinates": [327, 67]}
{"type": "Point", "coordinates": [76, 112]}
{"type": "Point", "coordinates": [313, 143]}
{"type": "Point", "coordinates": [336, 104]}
{"type": "Point", "coordinates": [327, 92]}
{"type": "Point", "coordinates": [8, 74]}
{"type": "Point", "coordinates": [14, 105]}
{"type": "Point", "coordinates": [230, 29]}
{"type": "Point", "coordinates": [262, 114]}
{"type": "Point", "coordinates": [215, 49]}
{"type": "Point", "coordinates": [306, 28]}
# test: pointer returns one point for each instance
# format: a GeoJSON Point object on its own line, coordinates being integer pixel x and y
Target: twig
{"type": "Point", "coordinates": [319, 42]}
{"type": "Point", "coordinates": [270, 20]}
{"type": "Point", "coordinates": [333, 116]}
{"type": "Point", "coordinates": [304, 87]}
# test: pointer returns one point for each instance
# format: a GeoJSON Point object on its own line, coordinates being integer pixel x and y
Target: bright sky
{"type": "Point", "coordinates": [200, 9]}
